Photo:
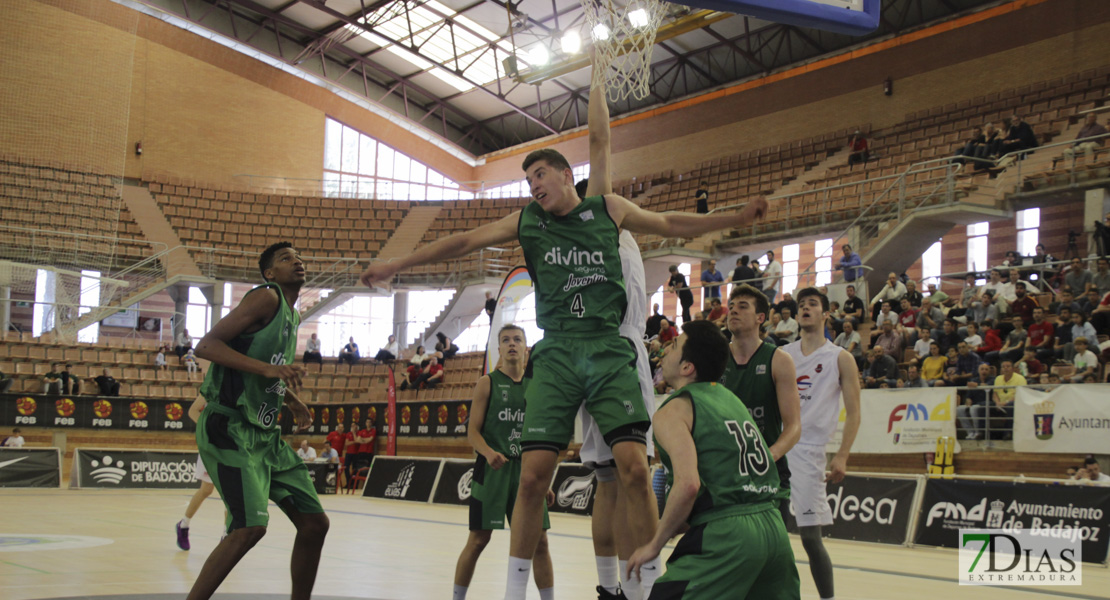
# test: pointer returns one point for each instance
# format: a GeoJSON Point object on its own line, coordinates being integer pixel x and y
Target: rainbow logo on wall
{"type": "Point", "coordinates": [516, 287]}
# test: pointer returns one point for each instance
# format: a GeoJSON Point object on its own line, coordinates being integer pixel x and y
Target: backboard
{"type": "Point", "coordinates": [849, 17]}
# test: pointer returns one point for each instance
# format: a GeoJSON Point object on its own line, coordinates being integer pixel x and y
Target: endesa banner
{"type": "Point", "coordinates": [402, 478]}
{"type": "Point", "coordinates": [94, 412]}
{"type": "Point", "coordinates": [30, 467]}
{"type": "Point", "coordinates": [442, 418]}
{"type": "Point", "coordinates": [867, 509]}
{"type": "Point", "coordinates": [454, 482]}
{"type": "Point", "coordinates": [1063, 511]}
{"type": "Point", "coordinates": [101, 468]}
{"type": "Point", "coordinates": [574, 486]}
{"type": "Point", "coordinates": [1071, 418]}
{"type": "Point", "coordinates": [901, 421]}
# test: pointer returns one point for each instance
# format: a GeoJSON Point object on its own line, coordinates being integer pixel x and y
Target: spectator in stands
{"type": "Point", "coordinates": [881, 370]}
{"type": "Point", "coordinates": [853, 307]}
{"type": "Point", "coordinates": [1015, 343]}
{"type": "Point", "coordinates": [947, 338]}
{"type": "Point", "coordinates": [913, 379]}
{"type": "Point", "coordinates": [337, 439]}
{"type": "Point", "coordinates": [975, 397]}
{"type": "Point", "coordinates": [160, 360]}
{"type": "Point", "coordinates": [1081, 328]}
{"type": "Point", "coordinates": [1102, 235]}
{"type": "Point", "coordinates": [312, 351]}
{"type": "Point", "coordinates": [992, 145]}
{"type": "Point", "coordinates": [773, 275]}
{"type": "Point", "coordinates": [938, 297]}
{"type": "Point", "coordinates": [743, 273]}
{"type": "Point", "coordinates": [491, 305]}
{"type": "Point", "coordinates": [71, 384]}
{"type": "Point", "coordinates": [1045, 271]}
{"type": "Point", "coordinates": [787, 329]}
{"type": "Point", "coordinates": [712, 275]}
{"type": "Point", "coordinates": [653, 322]}
{"type": "Point", "coordinates": [106, 385]}
{"type": "Point", "coordinates": [15, 440]}
{"type": "Point", "coordinates": [718, 314]}
{"type": "Point", "coordinates": [430, 376]}
{"type": "Point", "coordinates": [1100, 280]}
{"type": "Point", "coordinates": [769, 326]}
{"type": "Point", "coordinates": [1002, 401]}
{"type": "Point", "coordinates": [677, 285]}
{"type": "Point", "coordinates": [934, 365]}
{"type": "Point", "coordinates": [52, 381]}
{"type": "Point", "coordinates": [419, 357]}
{"type": "Point", "coordinates": [849, 263]}
{"type": "Point", "coordinates": [389, 352]}
{"type": "Point", "coordinates": [1094, 472]}
{"type": "Point", "coordinates": [1067, 300]}
{"type": "Point", "coordinates": [667, 333]}
{"type": "Point", "coordinates": [930, 316]}
{"type": "Point", "coordinates": [788, 303]}
{"type": "Point", "coordinates": [1023, 304]}
{"type": "Point", "coordinates": [891, 341]}
{"type": "Point", "coordinates": [907, 321]}
{"type": "Point", "coordinates": [306, 452]}
{"type": "Point", "coordinates": [184, 343]}
{"type": "Point", "coordinates": [329, 454]}
{"type": "Point", "coordinates": [973, 339]}
{"type": "Point", "coordinates": [975, 143]}
{"type": "Point", "coordinates": [992, 339]}
{"type": "Point", "coordinates": [1078, 278]}
{"type": "Point", "coordinates": [1041, 332]}
{"type": "Point", "coordinates": [1020, 137]}
{"type": "Point", "coordinates": [1085, 361]}
{"type": "Point", "coordinates": [849, 340]}
{"type": "Point", "coordinates": [857, 149]}
{"type": "Point", "coordinates": [921, 346]}
{"type": "Point", "coordinates": [1029, 366]}
{"type": "Point", "coordinates": [1091, 128]}
{"type": "Point", "coordinates": [701, 198]}
{"type": "Point", "coordinates": [5, 383]}
{"type": "Point", "coordinates": [1002, 290]}
{"type": "Point", "coordinates": [190, 361]}
{"type": "Point", "coordinates": [967, 364]}
{"type": "Point", "coordinates": [445, 348]}
{"type": "Point", "coordinates": [885, 316]}
{"type": "Point", "coordinates": [1100, 316]}
{"type": "Point", "coordinates": [1088, 303]}
{"type": "Point", "coordinates": [915, 297]}
{"type": "Point", "coordinates": [893, 291]}
{"type": "Point", "coordinates": [350, 354]}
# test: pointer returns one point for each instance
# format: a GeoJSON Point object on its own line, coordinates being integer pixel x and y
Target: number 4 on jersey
{"type": "Point", "coordinates": [577, 307]}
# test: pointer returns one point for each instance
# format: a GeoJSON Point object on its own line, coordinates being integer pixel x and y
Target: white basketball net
{"type": "Point", "coordinates": [623, 34]}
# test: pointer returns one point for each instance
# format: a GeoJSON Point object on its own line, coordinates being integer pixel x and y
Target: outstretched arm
{"type": "Point", "coordinates": [453, 246]}
{"type": "Point", "coordinates": [601, 179]}
{"type": "Point", "coordinates": [679, 224]}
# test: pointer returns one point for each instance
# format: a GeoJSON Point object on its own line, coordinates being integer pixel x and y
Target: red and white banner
{"type": "Point", "coordinates": [391, 416]}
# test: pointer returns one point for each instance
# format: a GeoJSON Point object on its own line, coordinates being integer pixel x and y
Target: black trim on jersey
{"type": "Point", "coordinates": [216, 427]}
{"type": "Point", "coordinates": [231, 384]}
{"type": "Point", "coordinates": [552, 446]}
{"type": "Point", "coordinates": [231, 488]}
{"type": "Point", "coordinates": [629, 432]}
{"type": "Point", "coordinates": [669, 590]}
{"type": "Point", "coordinates": [690, 544]}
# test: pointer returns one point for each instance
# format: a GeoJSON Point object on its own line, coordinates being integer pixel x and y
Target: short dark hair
{"type": "Point", "coordinates": [1020, 284]}
{"type": "Point", "coordinates": [806, 292]}
{"type": "Point", "coordinates": [744, 260]}
{"type": "Point", "coordinates": [512, 327]}
{"type": "Point", "coordinates": [1090, 460]}
{"type": "Point", "coordinates": [706, 348]}
{"type": "Point", "coordinates": [771, 252]}
{"type": "Point", "coordinates": [549, 155]}
{"type": "Point", "coordinates": [267, 259]}
{"type": "Point", "coordinates": [581, 186]}
{"type": "Point", "coordinates": [762, 305]}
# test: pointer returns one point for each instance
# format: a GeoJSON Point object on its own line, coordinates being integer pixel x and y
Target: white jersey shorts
{"type": "Point", "coordinates": [808, 499]}
{"type": "Point", "coordinates": [595, 452]}
{"type": "Point", "coordinates": [202, 473]}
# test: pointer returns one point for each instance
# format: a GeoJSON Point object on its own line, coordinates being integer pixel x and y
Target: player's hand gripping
{"type": "Point", "coordinates": [496, 460]}
{"type": "Point", "coordinates": [838, 468]}
{"type": "Point", "coordinates": [640, 557]}
{"type": "Point", "coordinates": [378, 273]}
{"type": "Point", "coordinates": [290, 374]}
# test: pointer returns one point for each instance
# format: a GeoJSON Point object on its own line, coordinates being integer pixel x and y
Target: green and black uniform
{"type": "Point", "coordinates": [737, 545]}
{"type": "Point", "coordinates": [575, 266]}
{"type": "Point", "coordinates": [493, 492]}
{"type": "Point", "coordinates": [238, 435]}
{"type": "Point", "coordinates": [754, 384]}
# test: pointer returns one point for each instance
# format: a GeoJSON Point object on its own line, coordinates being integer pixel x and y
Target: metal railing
{"type": "Point", "coordinates": [1018, 155]}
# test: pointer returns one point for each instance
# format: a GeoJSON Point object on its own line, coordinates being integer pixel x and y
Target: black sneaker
{"type": "Point", "coordinates": [602, 594]}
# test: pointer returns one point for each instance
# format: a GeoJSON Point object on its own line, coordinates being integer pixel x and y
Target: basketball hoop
{"type": "Point", "coordinates": [623, 37]}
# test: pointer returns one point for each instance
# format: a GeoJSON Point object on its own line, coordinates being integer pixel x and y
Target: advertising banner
{"type": "Point", "coordinates": [30, 467]}
{"type": "Point", "coordinates": [98, 468]}
{"type": "Point", "coordinates": [454, 482]}
{"type": "Point", "coordinates": [391, 416]}
{"type": "Point", "coordinates": [510, 300]}
{"type": "Point", "coordinates": [94, 412]}
{"type": "Point", "coordinates": [439, 418]}
{"type": "Point", "coordinates": [401, 478]}
{"type": "Point", "coordinates": [1074, 419]}
{"type": "Point", "coordinates": [324, 476]}
{"type": "Point", "coordinates": [901, 421]}
{"type": "Point", "coordinates": [867, 509]}
{"type": "Point", "coordinates": [1071, 511]}
{"type": "Point", "coordinates": [574, 487]}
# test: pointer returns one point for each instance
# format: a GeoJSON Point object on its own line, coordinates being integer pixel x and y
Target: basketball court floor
{"type": "Point", "coordinates": [120, 545]}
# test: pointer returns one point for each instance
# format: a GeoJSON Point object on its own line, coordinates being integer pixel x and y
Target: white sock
{"type": "Point", "coordinates": [607, 574]}
{"type": "Point", "coordinates": [517, 584]}
{"type": "Point", "coordinates": [459, 593]}
{"type": "Point", "coordinates": [651, 571]}
{"type": "Point", "coordinates": [185, 522]}
{"type": "Point", "coordinates": [547, 593]}
{"type": "Point", "coordinates": [630, 587]}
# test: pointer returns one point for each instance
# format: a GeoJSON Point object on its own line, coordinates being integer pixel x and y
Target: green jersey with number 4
{"type": "Point", "coordinates": [504, 414]}
{"type": "Point", "coordinates": [258, 399]}
{"type": "Point", "coordinates": [575, 267]}
{"type": "Point", "coordinates": [734, 464]}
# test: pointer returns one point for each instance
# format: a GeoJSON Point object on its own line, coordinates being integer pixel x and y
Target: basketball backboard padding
{"type": "Point", "coordinates": [803, 13]}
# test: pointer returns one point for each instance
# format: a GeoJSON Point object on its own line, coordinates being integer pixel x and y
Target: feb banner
{"type": "Point", "coordinates": [94, 412]}
{"type": "Point", "coordinates": [402, 478]}
{"type": "Point", "coordinates": [30, 467]}
{"type": "Point", "coordinates": [133, 469]}
{"type": "Point", "coordinates": [901, 421]}
{"type": "Point", "coordinates": [516, 287]}
{"type": "Point", "coordinates": [1071, 511]}
{"type": "Point", "coordinates": [1070, 418]}
{"type": "Point", "coordinates": [867, 509]}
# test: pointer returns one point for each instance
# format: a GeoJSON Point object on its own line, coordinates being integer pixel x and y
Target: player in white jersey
{"type": "Point", "coordinates": [825, 372]}
{"type": "Point", "coordinates": [611, 533]}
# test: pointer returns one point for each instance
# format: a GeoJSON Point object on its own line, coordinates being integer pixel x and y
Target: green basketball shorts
{"type": "Point", "coordinates": [251, 466]}
{"type": "Point", "coordinates": [598, 372]}
{"type": "Point", "coordinates": [736, 557]}
{"type": "Point", "coordinates": [493, 494]}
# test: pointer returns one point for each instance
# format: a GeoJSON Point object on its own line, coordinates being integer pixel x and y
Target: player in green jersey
{"type": "Point", "coordinates": [570, 245]}
{"type": "Point", "coordinates": [238, 437]}
{"type": "Point", "coordinates": [496, 418]}
{"type": "Point", "coordinates": [722, 484]}
{"type": "Point", "coordinates": [763, 377]}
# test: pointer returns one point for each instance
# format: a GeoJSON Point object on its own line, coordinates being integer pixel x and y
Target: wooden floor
{"type": "Point", "coordinates": [387, 550]}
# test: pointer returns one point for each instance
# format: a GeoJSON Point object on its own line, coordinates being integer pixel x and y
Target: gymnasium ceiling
{"type": "Point", "coordinates": [439, 63]}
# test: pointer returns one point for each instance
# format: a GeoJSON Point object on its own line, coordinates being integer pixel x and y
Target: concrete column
{"type": "Point", "coordinates": [401, 317]}
{"type": "Point", "coordinates": [5, 309]}
{"type": "Point", "coordinates": [180, 296]}
{"type": "Point", "coordinates": [214, 294]}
